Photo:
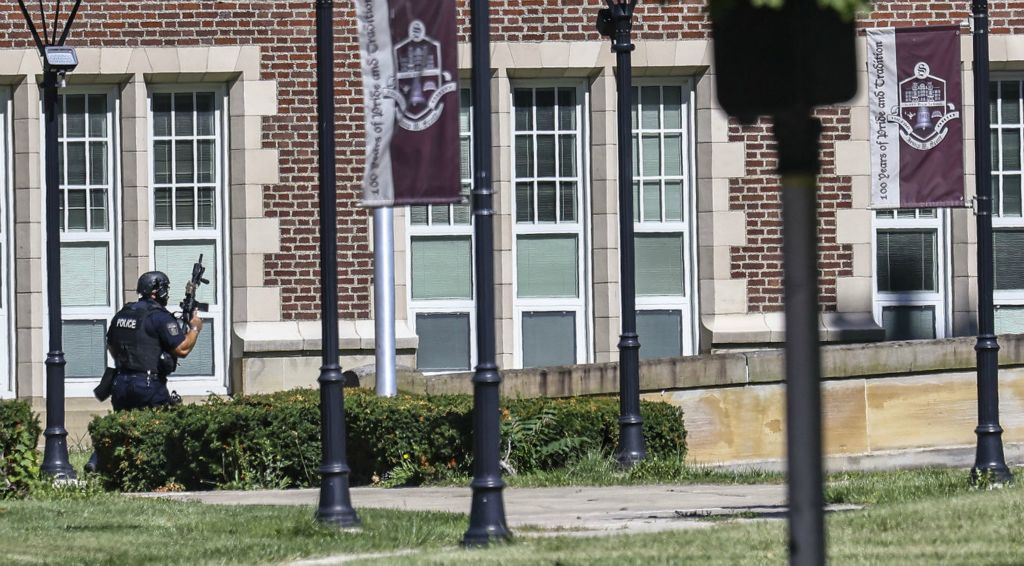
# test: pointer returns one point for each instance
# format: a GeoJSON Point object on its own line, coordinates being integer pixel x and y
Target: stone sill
{"type": "Point", "coordinates": [770, 328]}
{"type": "Point", "coordinates": [294, 337]}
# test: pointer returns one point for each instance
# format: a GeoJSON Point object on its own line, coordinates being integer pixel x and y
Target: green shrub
{"type": "Point", "coordinates": [262, 441]}
{"type": "Point", "coordinates": [19, 436]}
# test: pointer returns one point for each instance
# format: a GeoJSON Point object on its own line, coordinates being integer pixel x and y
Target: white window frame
{"type": "Point", "coordinates": [219, 317]}
{"type": "Point", "coordinates": [8, 347]}
{"type": "Point", "coordinates": [581, 305]}
{"type": "Point", "coordinates": [83, 386]}
{"type": "Point", "coordinates": [1006, 297]}
{"type": "Point", "coordinates": [686, 303]}
{"type": "Point", "coordinates": [413, 231]}
{"type": "Point", "coordinates": [938, 299]}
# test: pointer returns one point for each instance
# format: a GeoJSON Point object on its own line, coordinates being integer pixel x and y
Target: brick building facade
{"type": "Point", "coordinates": [190, 127]}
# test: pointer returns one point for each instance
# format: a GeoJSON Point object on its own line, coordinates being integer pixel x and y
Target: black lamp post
{"type": "Point", "coordinates": [615, 22]}
{"type": "Point", "coordinates": [797, 134]}
{"type": "Point", "coordinates": [335, 501]}
{"type": "Point", "coordinates": [57, 60]}
{"type": "Point", "coordinates": [487, 511]}
{"type": "Point", "coordinates": [799, 55]}
{"type": "Point", "coordinates": [988, 460]}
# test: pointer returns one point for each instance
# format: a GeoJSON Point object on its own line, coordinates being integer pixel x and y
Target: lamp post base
{"type": "Point", "coordinates": [989, 462]}
{"type": "Point", "coordinates": [55, 452]}
{"type": "Point", "coordinates": [335, 506]}
{"type": "Point", "coordinates": [341, 518]}
{"type": "Point", "coordinates": [487, 517]}
{"type": "Point", "coordinates": [55, 455]}
{"type": "Point", "coordinates": [996, 475]}
{"type": "Point", "coordinates": [631, 448]}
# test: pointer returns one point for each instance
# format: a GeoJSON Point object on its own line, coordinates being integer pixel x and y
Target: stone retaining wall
{"type": "Point", "coordinates": [877, 397]}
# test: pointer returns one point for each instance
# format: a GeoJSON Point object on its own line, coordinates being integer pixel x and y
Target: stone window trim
{"type": "Point", "coordinates": [8, 346]}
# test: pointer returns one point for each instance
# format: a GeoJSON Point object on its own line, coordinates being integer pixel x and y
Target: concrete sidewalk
{"type": "Point", "coordinates": [600, 510]}
{"type": "Point", "coordinates": [585, 510]}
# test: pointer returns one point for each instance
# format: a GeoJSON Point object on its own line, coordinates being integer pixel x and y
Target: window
{"type": "Point", "coordinates": [910, 273]}
{"type": "Point", "coordinates": [1007, 222]}
{"type": "Point", "coordinates": [6, 222]}
{"type": "Point", "coordinates": [662, 219]}
{"type": "Point", "coordinates": [188, 215]}
{"type": "Point", "coordinates": [89, 265]}
{"type": "Point", "coordinates": [549, 212]}
{"type": "Point", "coordinates": [441, 270]}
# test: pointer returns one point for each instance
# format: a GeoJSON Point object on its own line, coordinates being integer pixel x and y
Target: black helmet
{"type": "Point", "coordinates": [154, 282]}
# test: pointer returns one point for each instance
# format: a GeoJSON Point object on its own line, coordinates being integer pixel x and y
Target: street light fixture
{"type": "Point", "coordinates": [57, 60]}
{"type": "Point", "coordinates": [335, 507]}
{"type": "Point", "coordinates": [615, 22]}
{"type": "Point", "coordinates": [988, 460]}
{"type": "Point", "coordinates": [60, 58]}
{"type": "Point", "coordinates": [487, 511]}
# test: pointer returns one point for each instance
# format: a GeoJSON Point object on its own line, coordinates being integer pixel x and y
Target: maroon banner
{"type": "Point", "coordinates": [915, 107]}
{"type": "Point", "coordinates": [411, 93]}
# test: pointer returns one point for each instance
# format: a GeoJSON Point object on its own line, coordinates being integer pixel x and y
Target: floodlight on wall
{"type": "Point", "coordinates": [59, 58]}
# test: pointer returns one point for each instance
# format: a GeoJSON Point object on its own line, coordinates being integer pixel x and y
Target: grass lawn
{"type": "Point", "coordinates": [112, 529]}
{"type": "Point", "coordinates": [914, 517]}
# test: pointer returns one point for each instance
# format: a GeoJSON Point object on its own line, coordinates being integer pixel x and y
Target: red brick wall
{"type": "Point", "coordinates": [285, 33]}
{"type": "Point", "coordinates": [573, 20]}
{"type": "Point", "coordinates": [285, 30]}
{"type": "Point", "coordinates": [757, 194]}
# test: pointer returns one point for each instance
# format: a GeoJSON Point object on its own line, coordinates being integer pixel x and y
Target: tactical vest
{"type": "Point", "coordinates": [133, 348]}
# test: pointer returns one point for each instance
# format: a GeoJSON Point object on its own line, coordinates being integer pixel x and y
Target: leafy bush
{"type": "Point", "coordinates": [273, 440]}
{"type": "Point", "coordinates": [19, 460]}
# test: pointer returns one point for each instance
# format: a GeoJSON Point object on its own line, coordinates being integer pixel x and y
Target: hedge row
{"type": "Point", "coordinates": [274, 440]}
{"type": "Point", "coordinates": [19, 436]}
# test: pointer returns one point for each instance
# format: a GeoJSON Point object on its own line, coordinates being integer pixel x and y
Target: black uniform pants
{"type": "Point", "coordinates": [138, 391]}
{"type": "Point", "coordinates": [134, 391]}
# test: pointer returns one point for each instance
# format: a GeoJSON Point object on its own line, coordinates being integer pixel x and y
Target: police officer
{"type": "Point", "coordinates": [146, 342]}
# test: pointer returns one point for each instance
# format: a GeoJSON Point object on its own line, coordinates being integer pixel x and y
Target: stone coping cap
{"type": "Point", "coordinates": [874, 360]}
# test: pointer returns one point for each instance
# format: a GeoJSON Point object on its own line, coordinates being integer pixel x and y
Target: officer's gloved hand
{"type": "Point", "coordinates": [196, 322]}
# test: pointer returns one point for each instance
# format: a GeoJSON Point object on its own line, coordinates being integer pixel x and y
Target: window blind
{"type": "Point", "coordinates": [176, 260]}
{"type": "Point", "coordinates": [85, 347]}
{"type": "Point", "coordinates": [659, 264]}
{"type": "Point", "coordinates": [442, 267]}
{"type": "Point", "coordinates": [549, 339]}
{"type": "Point", "coordinates": [444, 341]}
{"type": "Point", "coordinates": [547, 265]}
{"type": "Point", "coordinates": [85, 274]}
{"type": "Point", "coordinates": [660, 333]}
{"type": "Point", "coordinates": [909, 322]}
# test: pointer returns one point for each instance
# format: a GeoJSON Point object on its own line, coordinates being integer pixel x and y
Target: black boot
{"type": "Point", "coordinates": [90, 466]}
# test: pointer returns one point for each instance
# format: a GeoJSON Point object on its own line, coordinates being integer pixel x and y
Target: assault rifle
{"type": "Point", "coordinates": [189, 305]}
